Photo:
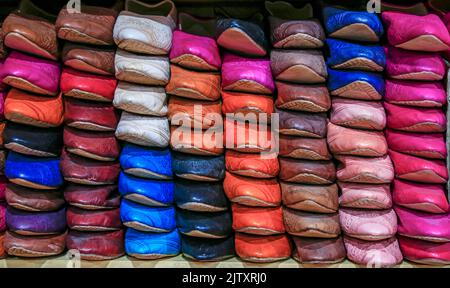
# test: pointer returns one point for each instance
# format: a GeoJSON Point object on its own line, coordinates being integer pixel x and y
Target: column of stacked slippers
{"type": "Point", "coordinates": [36, 214]}
{"type": "Point", "coordinates": [414, 102]}
{"type": "Point", "coordinates": [203, 215]}
{"type": "Point", "coordinates": [252, 167]}
{"type": "Point", "coordinates": [308, 175]}
{"type": "Point", "coordinates": [143, 33]}
{"type": "Point", "coordinates": [89, 161]}
{"type": "Point", "coordinates": [356, 138]}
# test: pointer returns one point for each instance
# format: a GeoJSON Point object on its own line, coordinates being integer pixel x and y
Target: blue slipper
{"type": "Point", "coordinates": [355, 84]}
{"type": "Point", "coordinates": [147, 219]}
{"type": "Point", "coordinates": [201, 249]}
{"type": "Point", "coordinates": [204, 225]}
{"type": "Point", "coordinates": [200, 196]}
{"type": "Point", "coordinates": [198, 168]}
{"type": "Point", "coordinates": [147, 245]}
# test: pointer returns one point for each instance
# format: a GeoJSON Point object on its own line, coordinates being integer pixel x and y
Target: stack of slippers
{"type": "Point", "coordinates": [35, 216]}
{"type": "Point", "coordinates": [89, 161]}
{"type": "Point", "coordinates": [415, 100]}
{"type": "Point", "coordinates": [143, 34]}
{"type": "Point", "coordinates": [203, 215]}
{"type": "Point", "coordinates": [356, 138]}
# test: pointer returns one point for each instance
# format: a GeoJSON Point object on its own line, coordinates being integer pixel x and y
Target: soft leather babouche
{"type": "Point", "coordinates": [146, 28]}
{"type": "Point", "coordinates": [204, 225]}
{"type": "Point", "coordinates": [147, 219]}
{"type": "Point", "coordinates": [258, 220]}
{"type": "Point", "coordinates": [243, 104]}
{"type": "Point", "coordinates": [415, 119]}
{"type": "Point", "coordinates": [414, 93]}
{"type": "Point", "coordinates": [96, 245]}
{"type": "Point", "coordinates": [3, 206]}
{"type": "Point", "coordinates": [358, 114]}
{"type": "Point", "coordinates": [354, 169]}
{"type": "Point", "coordinates": [419, 169]}
{"type": "Point", "coordinates": [197, 142]}
{"type": "Point", "coordinates": [303, 124]}
{"type": "Point", "coordinates": [36, 223]}
{"type": "Point", "coordinates": [411, 65]}
{"type": "Point", "coordinates": [417, 144]}
{"type": "Point", "coordinates": [195, 52]}
{"type": "Point", "coordinates": [146, 162]}
{"type": "Point", "coordinates": [385, 253]}
{"type": "Point", "coordinates": [248, 137]}
{"type": "Point", "coordinates": [101, 146]}
{"type": "Point", "coordinates": [310, 198]}
{"type": "Point", "coordinates": [32, 74]}
{"type": "Point", "coordinates": [92, 25]}
{"type": "Point", "coordinates": [370, 225]}
{"type": "Point", "coordinates": [252, 191]}
{"type": "Point", "coordinates": [251, 75]}
{"type": "Point", "coordinates": [422, 197]}
{"type": "Point", "coordinates": [149, 246]}
{"type": "Point", "coordinates": [90, 115]}
{"type": "Point", "coordinates": [33, 172]}
{"type": "Point", "coordinates": [146, 191]}
{"type": "Point", "coordinates": [353, 56]}
{"type": "Point", "coordinates": [3, 183]}
{"type": "Point", "coordinates": [92, 197]}
{"type": "Point", "coordinates": [140, 99]}
{"type": "Point", "coordinates": [422, 225]}
{"type": "Point", "coordinates": [318, 251]}
{"type": "Point", "coordinates": [252, 165]}
{"type": "Point", "coordinates": [86, 171]}
{"type": "Point", "coordinates": [87, 86]}
{"type": "Point", "coordinates": [352, 25]}
{"type": "Point", "coordinates": [365, 196]}
{"type": "Point", "coordinates": [143, 130]}
{"type": "Point", "coordinates": [418, 8]}
{"type": "Point", "coordinates": [206, 249]}
{"type": "Point", "coordinates": [198, 168]}
{"type": "Point", "coordinates": [315, 225]}
{"type": "Point", "coordinates": [2, 102]}
{"type": "Point", "coordinates": [425, 252]}
{"type": "Point", "coordinates": [93, 220]}
{"type": "Point", "coordinates": [193, 84]}
{"type": "Point", "coordinates": [348, 141]}
{"type": "Point", "coordinates": [196, 196]}
{"type": "Point", "coordinates": [309, 98]}
{"type": "Point", "coordinates": [262, 249]}
{"type": "Point", "coordinates": [304, 148]}
{"type": "Point", "coordinates": [2, 248]}
{"type": "Point", "coordinates": [89, 58]}
{"type": "Point", "coordinates": [32, 109]}
{"type": "Point", "coordinates": [31, 140]}
{"type": "Point", "coordinates": [296, 34]}
{"type": "Point", "coordinates": [306, 171]}
{"type": "Point", "coordinates": [356, 84]}
{"type": "Point", "coordinates": [243, 37]}
{"type": "Point", "coordinates": [142, 69]}
{"type": "Point", "coordinates": [424, 33]}
{"type": "Point", "coordinates": [298, 66]}
{"type": "Point", "coordinates": [194, 114]}
{"type": "Point", "coordinates": [33, 200]}
{"type": "Point", "coordinates": [35, 246]}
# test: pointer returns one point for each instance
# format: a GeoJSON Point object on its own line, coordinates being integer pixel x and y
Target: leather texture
{"type": "Point", "coordinates": [348, 141]}
{"type": "Point", "coordinates": [422, 197]}
{"type": "Point", "coordinates": [424, 252]}
{"type": "Point", "coordinates": [354, 169]}
{"type": "Point", "coordinates": [252, 191]}
{"type": "Point", "coordinates": [149, 246]}
{"type": "Point", "coordinates": [146, 162]}
{"type": "Point", "coordinates": [258, 220]}
{"type": "Point", "coordinates": [304, 124]}
{"type": "Point", "coordinates": [92, 197]}
{"type": "Point", "coordinates": [139, 99]}
{"type": "Point", "coordinates": [197, 142]}
{"type": "Point", "coordinates": [319, 251]}
{"type": "Point", "coordinates": [204, 249]}
{"type": "Point", "coordinates": [307, 171]}
{"type": "Point", "coordinates": [32, 109]}
{"type": "Point", "coordinates": [3, 222]}
{"type": "Point", "coordinates": [32, 74]}
{"type": "Point", "coordinates": [298, 66]}
{"type": "Point", "coordinates": [196, 196]}
{"type": "Point", "coordinates": [243, 104]}
{"type": "Point", "coordinates": [33, 172]}
{"type": "Point", "coordinates": [147, 219]}
{"type": "Point", "coordinates": [33, 200]}
{"type": "Point", "coordinates": [424, 33]}
{"type": "Point", "coordinates": [252, 165]}
{"type": "Point", "coordinates": [143, 130]}
{"type": "Point", "coordinates": [419, 169]}
{"type": "Point", "coordinates": [262, 249]}
{"type": "Point", "coordinates": [359, 85]}
{"type": "Point", "coordinates": [358, 114]}
{"type": "Point", "coordinates": [308, 98]}
{"type": "Point", "coordinates": [303, 148]}
{"type": "Point", "coordinates": [3, 183]}
{"type": "Point", "coordinates": [194, 114]}
{"type": "Point", "coordinates": [193, 84]}
{"type": "Point", "coordinates": [310, 198]}
{"type": "Point", "coordinates": [97, 245]}
{"type": "Point", "coordinates": [314, 225]}
{"type": "Point", "coordinates": [414, 93]}
{"type": "Point", "coordinates": [146, 191]}
{"type": "Point", "coordinates": [248, 137]}
{"type": "Point", "coordinates": [417, 144]}
{"type": "Point", "coordinates": [410, 8]}
{"type": "Point", "coordinates": [296, 34]}
{"type": "Point", "coordinates": [247, 74]}
{"type": "Point", "coordinates": [36, 223]}
{"type": "Point", "coordinates": [93, 220]}
{"type": "Point", "coordinates": [365, 196]}
{"type": "Point", "coordinates": [198, 168]}
{"type": "Point", "coordinates": [91, 59]}
{"type": "Point", "coordinates": [204, 225]}
{"type": "Point", "coordinates": [34, 246]}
